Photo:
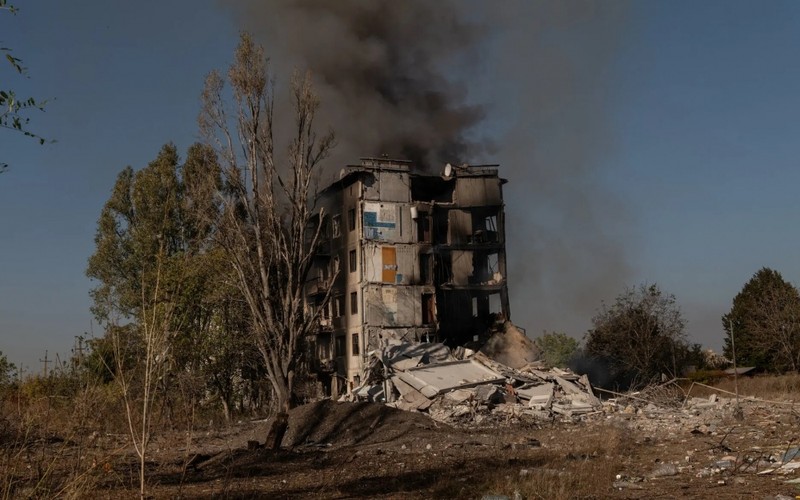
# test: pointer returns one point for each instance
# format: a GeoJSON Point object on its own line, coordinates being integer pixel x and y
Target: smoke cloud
{"type": "Point", "coordinates": [529, 85]}
{"type": "Point", "coordinates": [381, 71]}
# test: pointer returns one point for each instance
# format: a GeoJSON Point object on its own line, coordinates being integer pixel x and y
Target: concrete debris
{"type": "Point", "coordinates": [664, 470]}
{"type": "Point", "coordinates": [723, 450]}
{"type": "Point", "coordinates": [464, 387]}
{"type": "Point", "coordinates": [437, 378]}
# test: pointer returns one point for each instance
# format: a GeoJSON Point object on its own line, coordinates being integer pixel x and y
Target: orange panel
{"type": "Point", "coordinates": [389, 258]}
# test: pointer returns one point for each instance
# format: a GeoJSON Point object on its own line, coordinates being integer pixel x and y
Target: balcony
{"type": "Point", "coordinates": [317, 286]}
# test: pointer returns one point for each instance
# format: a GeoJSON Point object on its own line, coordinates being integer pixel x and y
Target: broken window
{"type": "Point", "coordinates": [336, 225]}
{"type": "Point", "coordinates": [323, 350]}
{"type": "Point", "coordinates": [353, 302]}
{"type": "Point", "coordinates": [326, 311]}
{"type": "Point", "coordinates": [353, 261]}
{"type": "Point", "coordinates": [423, 227]}
{"type": "Point", "coordinates": [425, 268]}
{"type": "Point", "coordinates": [338, 306]}
{"type": "Point", "coordinates": [495, 303]}
{"type": "Point", "coordinates": [428, 316]}
{"type": "Point", "coordinates": [356, 350]}
{"type": "Point", "coordinates": [341, 347]}
{"type": "Point", "coordinates": [432, 188]}
{"type": "Point", "coordinates": [351, 219]}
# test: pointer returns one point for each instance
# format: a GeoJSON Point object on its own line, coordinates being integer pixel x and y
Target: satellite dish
{"type": "Point", "coordinates": [448, 171]}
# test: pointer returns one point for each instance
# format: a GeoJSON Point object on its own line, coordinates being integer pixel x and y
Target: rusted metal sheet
{"type": "Point", "coordinates": [478, 191]}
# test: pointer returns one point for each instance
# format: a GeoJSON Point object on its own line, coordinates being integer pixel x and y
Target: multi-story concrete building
{"type": "Point", "coordinates": [420, 258]}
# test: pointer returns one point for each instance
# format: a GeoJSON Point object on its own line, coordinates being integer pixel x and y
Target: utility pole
{"type": "Point", "coordinates": [45, 361]}
{"type": "Point", "coordinates": [77, 351]}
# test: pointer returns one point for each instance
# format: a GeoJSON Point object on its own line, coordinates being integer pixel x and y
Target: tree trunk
{"type": "Point", "coordinates": [280, 423]}
{"type": "Point", "coordinates": [277, 430]}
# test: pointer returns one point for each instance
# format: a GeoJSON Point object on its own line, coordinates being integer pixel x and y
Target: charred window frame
{"type": "Point", "coordinates": [353, 302]}
{"type": "Point", "coordinates": [353, 263]}
{"type": "Point", "coordinates": [355, 345]}
{"type": "Point", "coordinates": [351, 219]}
{"type": "Point", "coordinates": [338, 306]}
{"type": "Point", "coordinates": [341, 346]}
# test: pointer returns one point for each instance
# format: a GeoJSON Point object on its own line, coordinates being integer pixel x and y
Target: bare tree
{"type": "Point", "coordinates": [139, 389]}
{"type": "Point", "coordinates": [269, 227]}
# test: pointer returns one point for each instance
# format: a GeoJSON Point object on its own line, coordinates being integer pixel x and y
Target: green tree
{"type": "Point", "coordinates": [13, 109]}
{"type": "Point", "coordinates": [160, 215]}
{"type": "Point", "coordinates": [268, 226]}
{"type": "Point", "coordinates": [640, 336]}
{"type": "Point", "coordinates": [8, 371]}
{"type": "Point", "coordinates": [764, 322]}
{"type": "Point", "coordinates": [557, 348]}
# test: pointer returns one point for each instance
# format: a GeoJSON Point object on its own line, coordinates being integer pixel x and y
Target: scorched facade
{"type": "Point", "coordinates": [420, 258]}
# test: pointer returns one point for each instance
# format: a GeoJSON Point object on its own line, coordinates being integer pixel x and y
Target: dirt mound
{"type": "Point", "coordinates": [342, 424]}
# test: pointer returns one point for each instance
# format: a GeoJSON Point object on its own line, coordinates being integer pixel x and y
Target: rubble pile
{"type": "Point", "coordinates": [718, 447]}
{"type": "Point", "coordinates": [463, 387]}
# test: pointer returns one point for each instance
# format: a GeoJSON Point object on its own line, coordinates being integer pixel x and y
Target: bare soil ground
{"type": "Point", "coordinates": [363, 450]}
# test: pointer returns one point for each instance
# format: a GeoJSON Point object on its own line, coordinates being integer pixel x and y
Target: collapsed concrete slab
{"type": "Point", "coordinates": [434, 379]}
{"type": "Point", "coordinates": [539, 397]}
{"type": "Point", "coordinates": [474, 390]}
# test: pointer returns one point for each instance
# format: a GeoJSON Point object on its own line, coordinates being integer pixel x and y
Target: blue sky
{"type": "Point", "coordinates": [703, 110]}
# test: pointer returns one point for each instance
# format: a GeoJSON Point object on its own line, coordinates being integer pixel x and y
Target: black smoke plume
{"type": "Point", "coordinates": [527, 84]}
{"type": "Point", "coordinates": [383, 71]}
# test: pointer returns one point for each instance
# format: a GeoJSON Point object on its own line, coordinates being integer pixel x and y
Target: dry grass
{"type": "Point", "coordinates": [47, 440]}
{"type": "Point", "coordinates": [767, 387]}
{"type": "Point", "coordinates": [573, 466]}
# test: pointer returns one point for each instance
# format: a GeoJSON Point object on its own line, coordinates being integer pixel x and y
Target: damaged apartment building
{"type": "Point", "coordinates": [420, 258]}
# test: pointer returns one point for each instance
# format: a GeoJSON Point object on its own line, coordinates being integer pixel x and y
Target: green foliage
{"type": "Point", "coordinates": [13, 109]}
{"type": "Point", "coordinates": [8, 372]}
{"type": "Point", "coordinates": [640, 336]}
{"type": "Point", "coordinates": [557, 348]}
{"type": "Point", "coordinates": [765, 323]}
{"type": "Point", "coordinates": [167, 212]}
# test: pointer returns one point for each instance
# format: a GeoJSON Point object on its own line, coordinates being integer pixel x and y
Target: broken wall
{"type": "Point", "coordinates": [395, 306]}
{"type": "Point", "coordinates": [478, 191]}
